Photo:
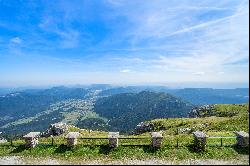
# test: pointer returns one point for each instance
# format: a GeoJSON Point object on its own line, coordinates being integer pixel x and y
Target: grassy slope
{"type": "Point", "coordinates": [222, 123]}
{"type": "Point", "coordinates": [93, 149]}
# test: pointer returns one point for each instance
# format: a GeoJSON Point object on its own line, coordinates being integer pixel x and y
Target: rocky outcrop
{"type": "Point", "coordinates": [201, 111]}
{"type": "Point", "coordinates": [184, 130]}
{"type": "Point", "coordinates": [143, 127]}
{"type": "Point", "coordinates": [2, 140]}
{"type": "Point", "coordinates": [56, 129]}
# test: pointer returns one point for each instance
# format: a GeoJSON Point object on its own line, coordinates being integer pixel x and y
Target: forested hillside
{"type": "Point", "coordinates": [126, 110]}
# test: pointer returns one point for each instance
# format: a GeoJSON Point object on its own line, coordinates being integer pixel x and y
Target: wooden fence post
{"type": "Point", "coordinates": [52, 141]}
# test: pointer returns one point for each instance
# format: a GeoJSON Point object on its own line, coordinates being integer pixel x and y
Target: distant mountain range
{"type": "Point", "coordinates": [103, 106]}
{"type": "Point", "coordinates": [193, 95]}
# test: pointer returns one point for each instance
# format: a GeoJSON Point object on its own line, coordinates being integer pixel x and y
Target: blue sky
{"type": "Point", "coordinates": [124, 42]}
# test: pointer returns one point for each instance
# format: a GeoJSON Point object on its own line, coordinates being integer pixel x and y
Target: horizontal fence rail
{"type": "Point", "coordinates": [223, 137]}
{"type": "Point", "coordinates": [118, 138]}
{"type": "Point", "coordinates": [93, 138]}
{"type": "Point", "coordinates": [134, 138]}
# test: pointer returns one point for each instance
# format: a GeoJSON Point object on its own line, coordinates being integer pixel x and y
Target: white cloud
{"type": "Point", "coordinates": [203, 25]}
{"type": "Point", "coordinates": [174, 40]}
{"type": "Point", "coordinates": [221, 72]}
{"type": "Point", "coordinates": [68, 36]}
{"type": "Point", "coordinates": [70, 39]}
{"type": "Point", "coordinates": [200, 73]}
{"type": "Point", "coordinates": [125, 71]}
{"type": "Point", "coordinates": [115, 2]}
{"type": "Point", "coordinates": [16, 40]}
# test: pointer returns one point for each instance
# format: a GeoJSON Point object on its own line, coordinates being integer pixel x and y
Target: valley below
{"type": "Point", "coordinates": [104, 107]}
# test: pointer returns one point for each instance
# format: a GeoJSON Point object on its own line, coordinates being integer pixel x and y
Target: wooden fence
{"type": "Point", "coordinates": [222, 138]}
{"type": "Point", "coordinates": [168, 140]}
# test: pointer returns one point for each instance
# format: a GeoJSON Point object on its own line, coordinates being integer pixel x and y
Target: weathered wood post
{"type": "Point", "coordinates": [242, 139]}
{"type": "Point", "coordinates": [177, 143]}
{"type": "Point", "coordinates": [200, 140]}
{"type": "Point", "coordinates": [72, 138]}
{"type": "Point", "coordinates": [113, 139]}
{"type": "Point", "coordinates": [31, 139]}
{"type": "Point", "coordinates": [157, 139]}
{"type": "Point", "coordinates": [52, 140]}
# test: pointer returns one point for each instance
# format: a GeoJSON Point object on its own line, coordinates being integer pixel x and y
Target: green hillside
{"type": "Point", "coordinates": [226, 118]}
{"type": "Point", "coordinates": [176, 145]}
{"type": "Point", "coordinates": [137, 107]}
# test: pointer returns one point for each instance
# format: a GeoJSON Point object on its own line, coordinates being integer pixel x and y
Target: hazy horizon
{"type": "Point", "coordinates": [167, 85]}
{"type": "Point", "coordinates": [182, 43]}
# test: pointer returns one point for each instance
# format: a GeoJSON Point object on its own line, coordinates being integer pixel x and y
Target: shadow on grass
{"type": "Point", "coordinates": [8, 145]}
{"type": "Point", "coordinates": [195, 149]}
{"type": "Point", "coordinates": [42, 145]}
{"type": "Point", "coordinates": [19, 149]}
{"type": "Point", "coordinates": [105, 149]}
{"type": "Point", "coordinates": [241, 150]}
{"type": "Point", "coordinates": [62, 149]}
{"type": "Point", "coordinates": [150, 149]}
